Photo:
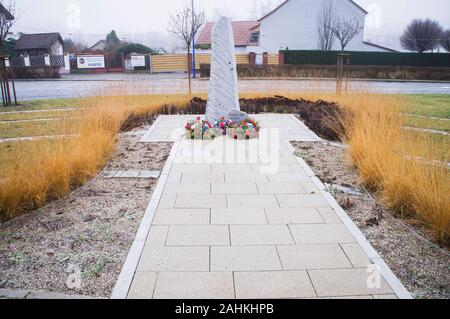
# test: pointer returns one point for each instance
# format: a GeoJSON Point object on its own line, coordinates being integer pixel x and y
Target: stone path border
{"type": "Point", "coordinates": [126, 275]}
{"type": "Point", "coordinates": [40, 120]}
{"type": "Point", "coordinates": [425, 130]}
{"type": "Point", "coordinates": [36, 138]}
{"type": "Point", "coordinates": [42, 111]}
{"type": "Point", "coordinates": [131, 174]}
{"type": "Point", "coordinates": [427, 117]}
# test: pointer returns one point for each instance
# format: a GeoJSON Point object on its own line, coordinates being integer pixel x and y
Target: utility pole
{"type": "Point", "coordinates": [194, 71]}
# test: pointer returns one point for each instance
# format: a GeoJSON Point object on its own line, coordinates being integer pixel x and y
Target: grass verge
{"type": "Point", "coordinates": [36, 105]}
{"type": "Point", "coordinates": [41, 128]}
{"type": "Point", "coordinates": [433, 105]}
{"type": "Point", "coordinates": [48, 114]}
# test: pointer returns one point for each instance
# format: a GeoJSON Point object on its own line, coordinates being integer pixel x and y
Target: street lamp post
{"type": "Point", "coordinates": [194, 71]}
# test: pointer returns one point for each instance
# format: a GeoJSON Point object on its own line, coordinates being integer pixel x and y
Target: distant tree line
{"type": "Point", "coordinates": [112, 44]}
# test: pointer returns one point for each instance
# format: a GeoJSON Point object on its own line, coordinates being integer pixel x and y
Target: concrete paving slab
{"type": "Point", "coordinates": [267, 285]}
{"type": "Point", "coordinates": [194, 285]}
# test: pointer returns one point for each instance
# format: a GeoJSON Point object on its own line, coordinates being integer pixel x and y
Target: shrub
{"type": "Point", "coordinates": [300, 57]}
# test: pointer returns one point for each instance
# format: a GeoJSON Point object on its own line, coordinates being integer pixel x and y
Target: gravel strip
{"type": "Point", "coordinates": [77, 245]}
{"type": "Point", "coordinates": [420, 264]}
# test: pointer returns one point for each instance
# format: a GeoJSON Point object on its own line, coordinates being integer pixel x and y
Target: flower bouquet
{"type": "Point", "coordinates": [223, 125]}
{"type": "Point", "coordinates": [201, 129]}
{"type": "Point", "coordinates": [244, 130]}
{"type": "Point", "coordinates": [195, 129]}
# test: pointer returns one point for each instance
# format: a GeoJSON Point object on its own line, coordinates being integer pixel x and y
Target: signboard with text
{"type": "Point", "coordinates": [91, 61]}
{"type": "Point", "coordinates": [138, 60]}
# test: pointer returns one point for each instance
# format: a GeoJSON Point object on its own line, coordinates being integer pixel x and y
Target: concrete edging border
{"type": "Point", "coordinates": [150, 130]}
{"type": "Point", "coordinates": [128, 271]}
{"type": "Point", "coordinates": [386, 272]}
{"type": "Point", "coordinates": [310, 131]}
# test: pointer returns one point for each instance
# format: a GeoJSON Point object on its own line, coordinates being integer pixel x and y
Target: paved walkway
{"type": "Point", "coordinates": [223, 225]}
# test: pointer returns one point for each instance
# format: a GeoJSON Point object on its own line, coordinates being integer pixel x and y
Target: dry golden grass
{"type": "Point", "coordinates": [41, 172]}
{"type": "Point", "coordinates": [407, 170]}
{"type": "Point", "coordinates": [386, 157]}
{"type": "Point", "coordinates": [396, 165]}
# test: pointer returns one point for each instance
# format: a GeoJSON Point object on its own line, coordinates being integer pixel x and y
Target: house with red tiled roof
{"type": "Point", "coordinates": [245, 35]}
{"type": "Point", "coordinates": [294, 25]}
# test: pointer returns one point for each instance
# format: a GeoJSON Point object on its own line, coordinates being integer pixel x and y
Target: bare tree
{"type": "Point", "coordinates": [421, 35]}
{"type": "Point", "coordinates": [72, 46]}
{"type": "Point", "coordinates": [445, 41]}
{"type": "Point", "coordinates": [185, 24]}
{"type": "Point", "coordinates": [345, 30]}
{"type": "Point", "coordinates": [7, 21]}
{"type": "Point", "coordinates": [260, 8]}
{"type": "Point", "coordinates": [327, 18]}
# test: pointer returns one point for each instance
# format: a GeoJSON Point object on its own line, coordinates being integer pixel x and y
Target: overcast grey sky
{"type": "Point", "coordinates": [146, 20]}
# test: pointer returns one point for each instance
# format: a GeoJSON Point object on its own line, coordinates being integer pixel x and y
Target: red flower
{"type": "Point", "coordinates": [199, 118]}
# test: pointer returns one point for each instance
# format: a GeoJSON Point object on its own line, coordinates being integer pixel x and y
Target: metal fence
{"type": "Point", "coordinates": [57, 60]}
{"type": "Point", "coordinates": [17, 61]}
{"type": "Point", "coordinates": [37, 61]}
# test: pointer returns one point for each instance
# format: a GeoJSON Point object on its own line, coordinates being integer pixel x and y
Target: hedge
{"type": "Point", "coordinates": [303, 57]}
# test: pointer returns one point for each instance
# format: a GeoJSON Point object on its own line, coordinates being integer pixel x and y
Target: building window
{"type": "Point", "coordinates": [254, 38]}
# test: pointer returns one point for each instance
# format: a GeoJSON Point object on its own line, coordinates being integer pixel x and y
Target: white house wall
{"type": "Point", "coordinates": [294, 26]}
{"type": "Point", "coordinates": [56, 48]}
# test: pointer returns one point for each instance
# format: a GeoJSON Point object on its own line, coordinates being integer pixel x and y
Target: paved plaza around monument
{"type": "Point", "coordinates": [222, 225]}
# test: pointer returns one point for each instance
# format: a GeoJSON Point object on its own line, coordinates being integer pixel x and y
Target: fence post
{"type": "Point", "coordinates": [281, 58]}
{"type": "Point", "coordinates": [26, 60]}
{"type": "Point", "coordinates": [265, 58]}
{"type": "Point", "coordinates": [67, 62]}
{"type": "Point", "coordinates": [150, 61]}
{"type": "Point", "coordinates": [47, 59]}
{"type": "Point", "coordinates": [252, 58]}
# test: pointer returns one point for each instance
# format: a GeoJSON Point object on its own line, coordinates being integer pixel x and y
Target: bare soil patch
{"type": "Point", "coordinates": [90, 230]}
{"type": "Point", "coordinates": [420, 264]}
{"type": "Point", "coordinates": [320, 116]}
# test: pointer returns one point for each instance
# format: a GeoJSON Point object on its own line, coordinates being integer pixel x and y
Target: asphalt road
{"type": "Point", "coordinates": [130, 84]}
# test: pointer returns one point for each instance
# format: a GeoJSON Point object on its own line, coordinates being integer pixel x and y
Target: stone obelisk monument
{"type": "Point", "coordinates": [223, 85]}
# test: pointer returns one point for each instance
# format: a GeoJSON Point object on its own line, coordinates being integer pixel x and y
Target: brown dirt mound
{"type": "Point", "coordinates": [324, 118]}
